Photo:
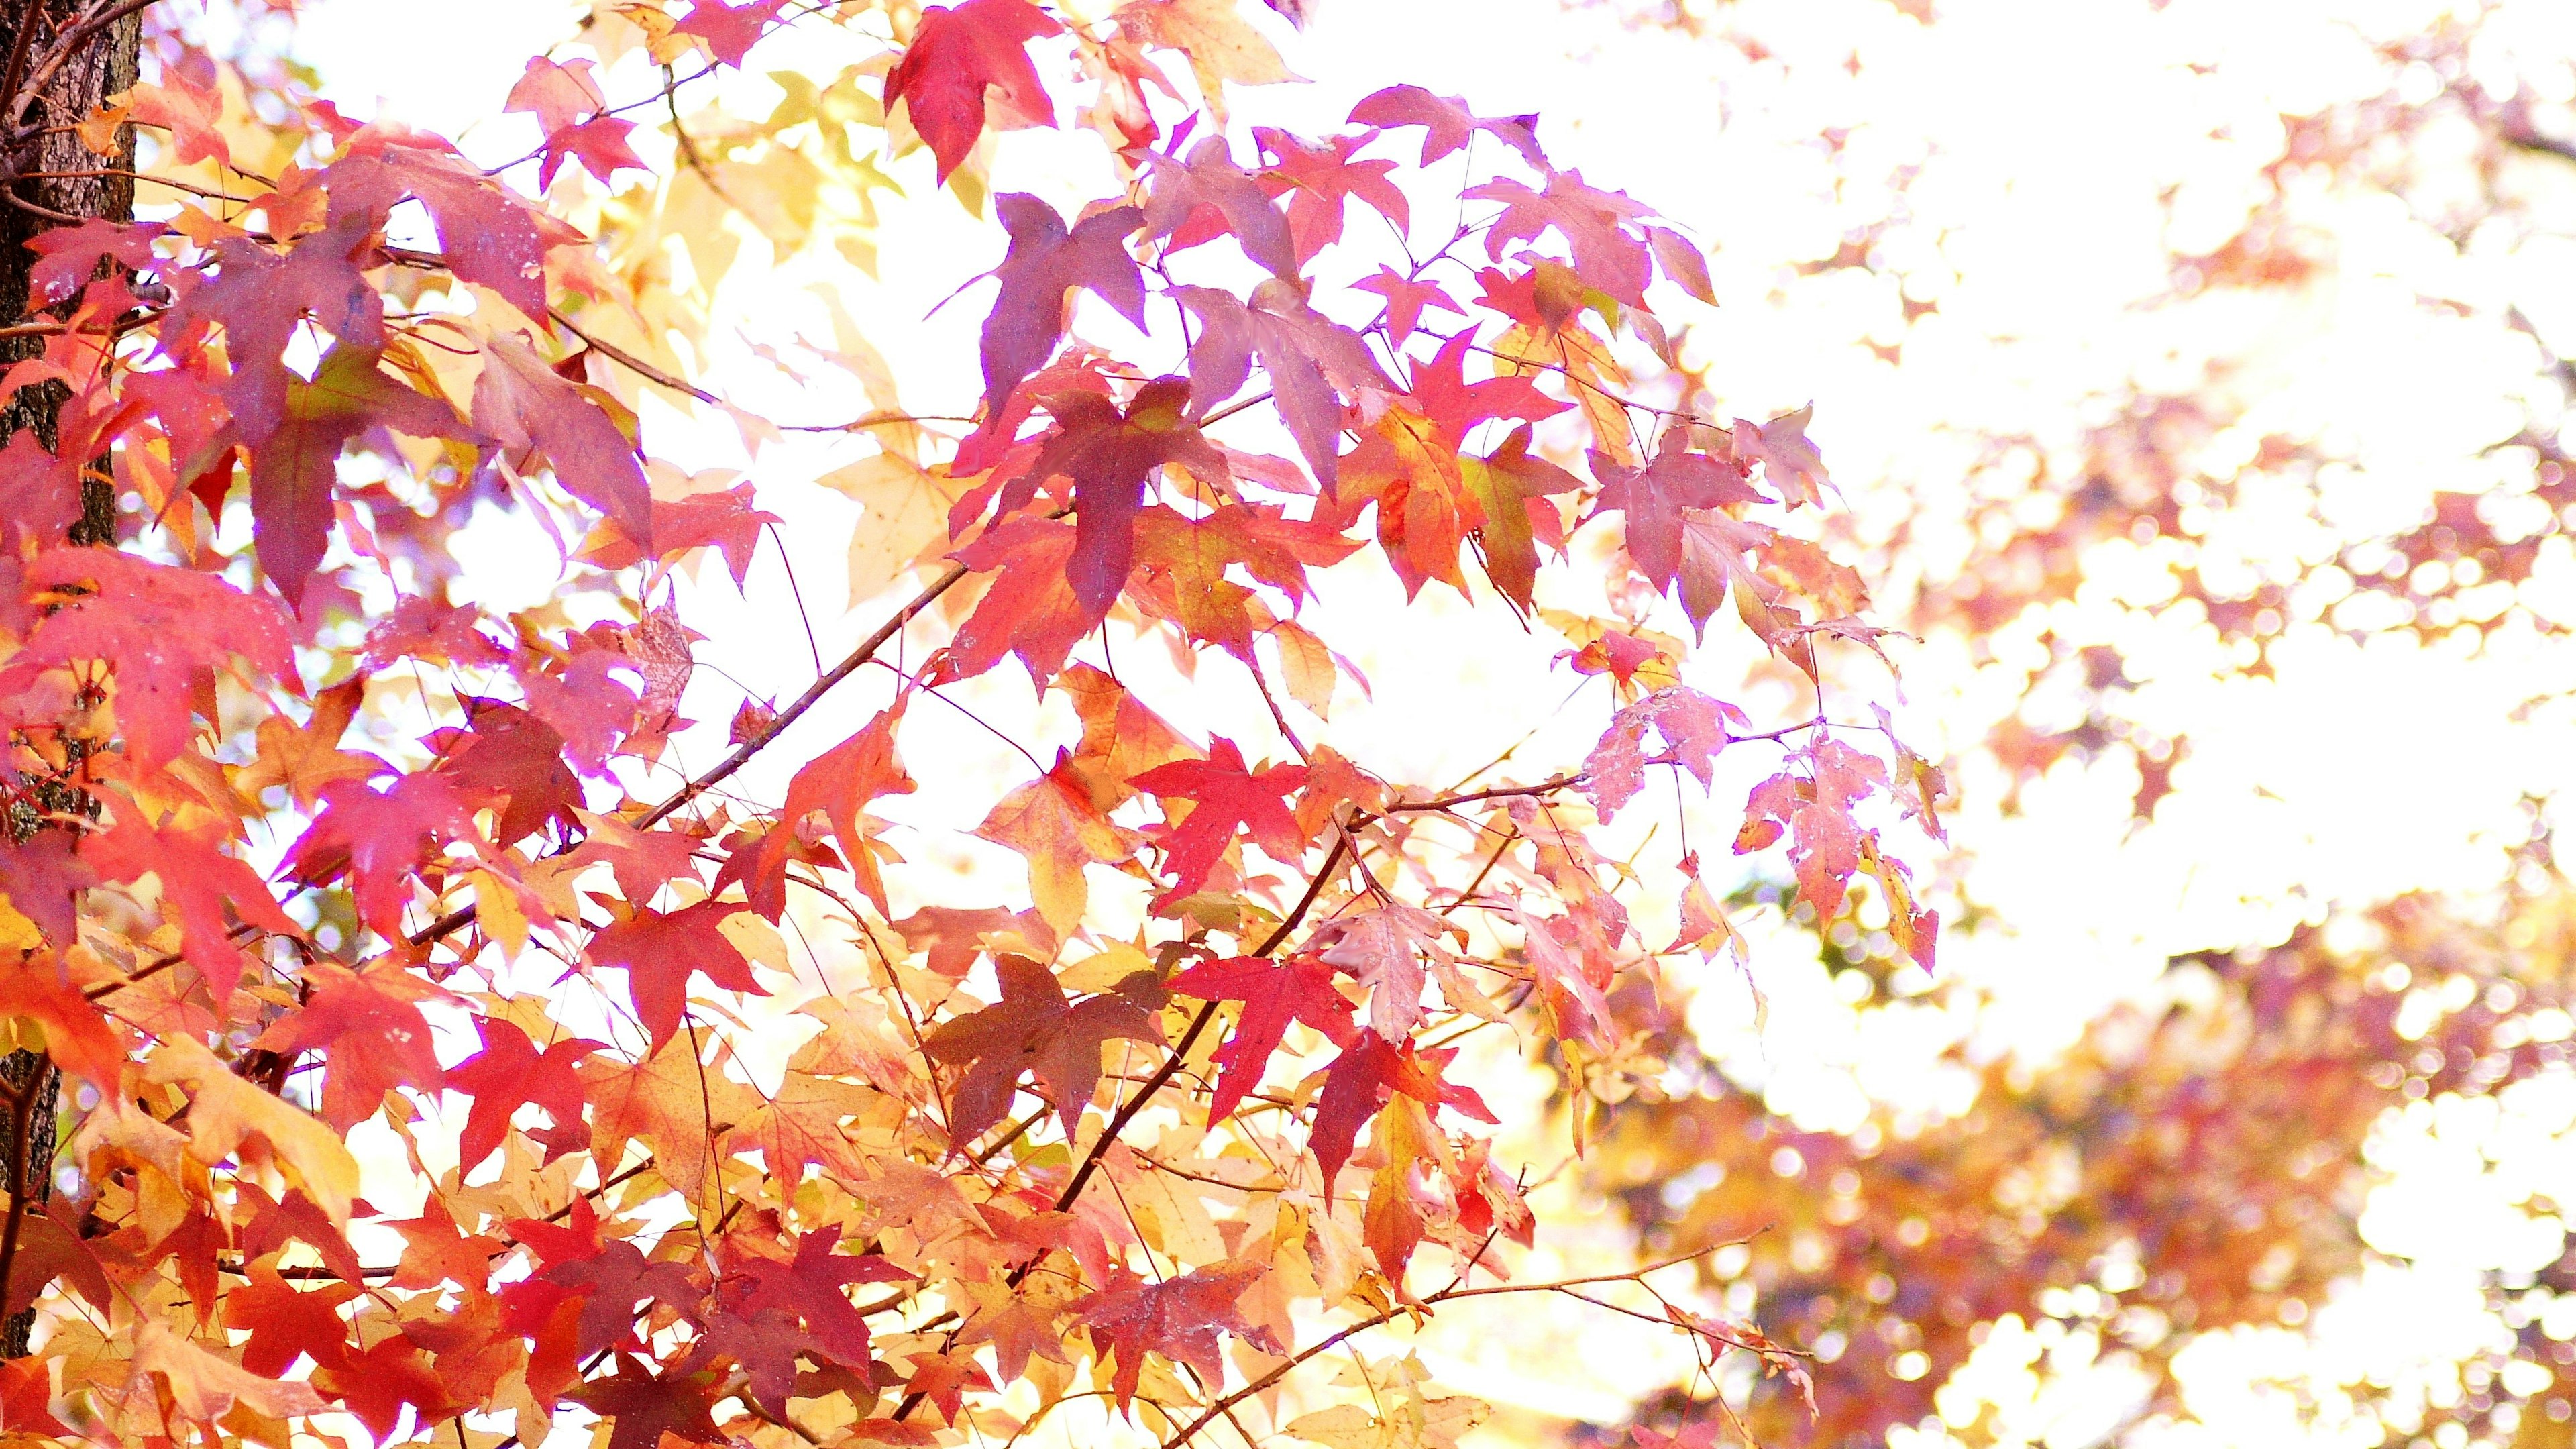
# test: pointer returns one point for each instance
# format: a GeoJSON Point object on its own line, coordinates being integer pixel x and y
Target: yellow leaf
{"type": "Point", "coordinates": [1308, 665]}
{"type": "Point", "coordinates": [496, 910]}
{"type": "Point", "coordinates": [17, 933]}
{"type": "Point", "coordinates": [226, 1111]}
{"type": "Point", "coordinates": [1053, 823]}
{"type": "Point", "coordinates": [1221, 47]}
{"type": "Point", "coordinates": [205, 1388]}
{"type": "Point", "coordinates": [98, 129]}
{"type": "Point", "coordinates": [756, 939]}
{"type": "Point", "coordinates": [907, 517]}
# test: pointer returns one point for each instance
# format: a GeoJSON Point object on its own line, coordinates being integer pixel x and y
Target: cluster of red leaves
{"type": "Point", "coordinates": [667, 1240]}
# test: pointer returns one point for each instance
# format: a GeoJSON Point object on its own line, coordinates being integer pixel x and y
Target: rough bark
{"type": "Point", "coordinates": [53, 175]}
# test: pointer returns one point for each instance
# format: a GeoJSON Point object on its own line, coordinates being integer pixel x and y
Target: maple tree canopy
{"type": "Point", "coordinates": [446, 1001]}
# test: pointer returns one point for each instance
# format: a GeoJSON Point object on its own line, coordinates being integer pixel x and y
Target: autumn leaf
{"type": "Point", "coordinates": [1383, 949]}
{"type": "Point", "coordinates": [840, 782]}
{"type": "Point", "coordinates": [1227, 798]}
{"type": "Point", "coordinates": [368, 1026]}
{"type": "Point", "coordinates": [76, 1035]}
{"type": "Point", "coordinates": [1652, 500]}
{"type": "Point", "coordinates": [509, 1073]}
{"type": "Point", "coordinates": [154, 625]}
{"type": "Point", "coordinates": [957, 55]}
{"type": "Point", "coordinates": [1273, 995]}
{"type": "Point", "coordinates": [1044, 262]}
{"type": "Point", "coordinates": [198, 880]}
{"type": "Point", "coordinates": [1034, 1028]}
{"type": "Point", "coordinates": [1789, 461]}
{"type": "Point", "coordinates": [1183, 1319]}
{"type": "Point", "coordinates": [1591, 221]}
{"type": "Point", "coordinates": [1112, 455]}
{"type": "Point", "coordinates": [659, 952]}
{"type": "Point", "coordinates": [1824, 840]}
{"type": "Point", "coordinates": [1053, 823]}
{"type": "Point", "coordinates": [204, 1387]}
{"type": "Point", "coordinates": [1221, 48]}
{"type": "Point", "coordinates": [519, 400]}
{"type": "Point", "coordinates": [381, 838]}
{"type": "Point", "coordinates": [1446, 123]}
{"type": "Point", "coordinates": [642, 1406]}
{"type": "Point", "coordinates": [1693, 727]}
{"type": "Point", "coordinates": [225, 1112]}
{"type": "Point", "coordinates": [1205, 194]}
{"type": "Point", "coordinates": [1315, 365]}
{"type": "Point", "coordinates": [295, 468]}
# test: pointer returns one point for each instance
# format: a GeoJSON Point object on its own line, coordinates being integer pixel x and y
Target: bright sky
{"type": "Point", "coordinates": [2040, 136]}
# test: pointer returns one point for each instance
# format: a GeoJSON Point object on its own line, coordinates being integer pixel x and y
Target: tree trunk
{"type": "Point", "coordinates": [44, 183]}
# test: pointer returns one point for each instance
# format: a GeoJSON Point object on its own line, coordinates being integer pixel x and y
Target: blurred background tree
{"type": "Point", "coordinates": [2218, 360]}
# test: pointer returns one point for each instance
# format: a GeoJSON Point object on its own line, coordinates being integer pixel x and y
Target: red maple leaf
{"type": "Point", "coordinates": [1182, 1318]}
{"type": "Point", "coordinates": [1383, 951]}
{"type": "Point", "coordinates": [1314, 363]}
{"type": "Point", "coordinates": [615, 1281]}
{"type": "Point", "coordinates": [766, 1345]}
{"type": "Point", "coordinates": [1446, 123]}
{"type": "Point", "coordinates": [659, 953]}
{"type": "Point", "coordinates": [1788, 460]}
{"type": "Point", "coordinates": [728, 30]}
{"type": "Point", "coordinates": [436, 1251]}
{"type": "Point", "coordinates": [1111, 454]}
{"type": "Point", "coordinates": [811, 1286]}
{"type": "Point", "coordinates": [566, 100]}
{"type": "Point", "coordinates": [378, 1382]}
{"type": "Point", "coordinates": [1651, 499]}
{"type": "Point", "coordinates": [954, 56]}
{"type": "Point", "coordinates": [259, 297]}
{"type": "Point", "coordinates": [839, 782]}
{"type": "Point", "coordinates": [43, 879]}
{"type": "Point", "coordinates": [1205, 195]}
{"type": "Point", "coordinates": [1319, 181]}
{"type": "Point", "coordinates": [644, 1407]}
{"type": "Point", "coordinates": [78, 1036]}
{"type": "Point", "coordinates": [435, 631]}
{"type": "Point", "coordinates": [370, 1031]}
{"type": "Point", "coordinates": [380, 838]}
{"type": "Point", "coordinates": [508, 1073]}
{"type": "Point", "coordinates": [725, 521]}
{"type": "Point", "coordinates": [521, 401]}
{"type": "Point", "coordinates": [557, 93]}
{"type": "Point", "coordinates": [487, 234]}
{"type": "Point", "coordinates": [1605, 253]}
{"type": "Point", "coordinates": [1273, 994]}
{"type": "Point", "coordinates": [1693, 726]}
{"type": "Point", "coordinates": [69, 255]}
{"type": "Point", "coordinates": [1824, 840]}
{"type": "Point", "coordinates": [599, 144]}
{"type": "Point", "coordinates": [274, 1221]}
{"type": "Point", "coordinates": [1044, 262]}
{"type": "Point", "coordinates": [507, 751]}
{"type": "Point", "coordinates": [155, 625]}
{"type": "Point", "coordinates": [1030, 609]}
{"type": "Point", "coordinates": [294, 470]}
{"type": "Point", "coordinates": [1405, 299]}
{"type": "Point", "coordinates": [1227, 799]}
{"type": "Point", "coordinates": [1358, 1083]}
{"type": "Point", "coordinates": [26, 1399]}
{"type": "Point", "coordinates": [1572, 992]}
{"type": "Point", "coordinates": [285, 1325]}
{"type": "Point", "coordinates": [1034, 1028]}
{"type": "Point", "coordinates": [198, 880]}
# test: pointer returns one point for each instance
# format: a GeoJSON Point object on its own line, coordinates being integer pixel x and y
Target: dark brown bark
{"type": "Point", "coordinates": [54, 74]}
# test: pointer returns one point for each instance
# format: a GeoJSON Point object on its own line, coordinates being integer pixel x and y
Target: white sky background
{"type": "Point", "coordinates": [2043, 131]}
